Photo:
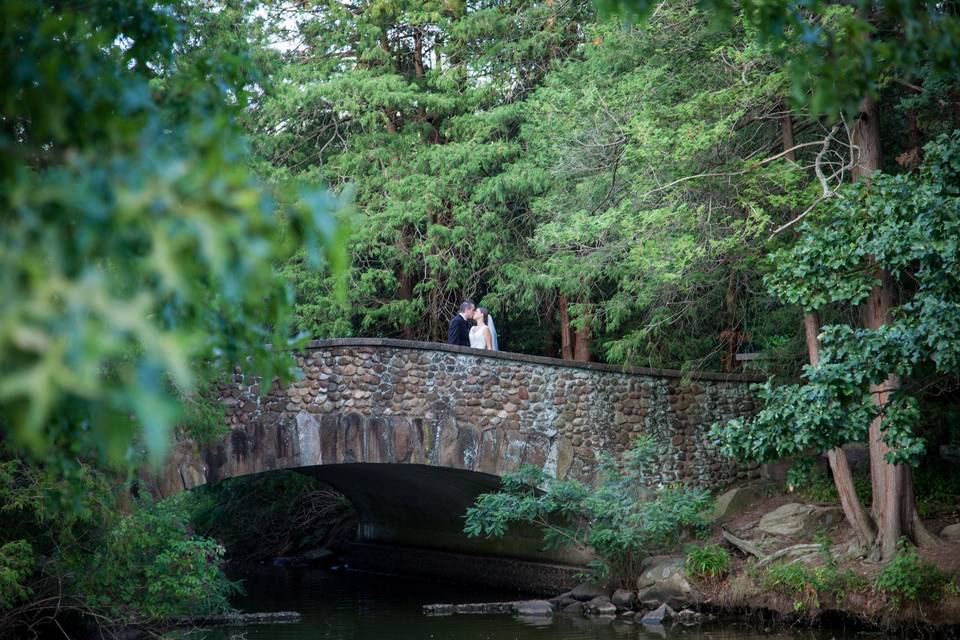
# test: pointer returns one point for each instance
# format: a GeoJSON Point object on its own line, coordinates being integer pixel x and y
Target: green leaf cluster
{"type": "Point", "coordinates": [835, 54]}
{"type": "Point", "coordinates": [139, 253]}
{"type": "Point", "coordinates": [619, 520]}
{"type": "Point", "coordinates": [150, 568]}
{"type": "Point", "coordinates": [707, 562]}
{"type": "Point", "coordinates": [904, 224]}
{"type": "Point", "coordinates": [907, 578]}
{"type": "Point", "coordinates": [70, 549]}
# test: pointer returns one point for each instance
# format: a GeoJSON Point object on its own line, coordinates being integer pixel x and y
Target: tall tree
{"type": "Point", "coordinates": [416, 105]}
{"type": "Point", "coordinates": [655, 148]}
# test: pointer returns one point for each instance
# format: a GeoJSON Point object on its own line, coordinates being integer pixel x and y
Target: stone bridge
{"type": "Point", "coordinates": [411, 432]}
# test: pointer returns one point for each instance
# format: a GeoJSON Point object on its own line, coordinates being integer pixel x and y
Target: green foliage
{"type": "Point", "coordinates": [708, 562]}
{"type": "Point", "coordinates": [619, 520]}
{"type": "Point", "coordinates": [908, 225]}
{"type": "Point", "coordinates": [204, 417]}
{"type": "Point", "coordinates": [810, 584]}
{"type": "Point", "coordinates": [937, 489]}
{"type": "Point", "coordinates": [907, 578]}
{"type": "Point", "coordinates": [139, 251]}
{"type": "Point", "coordinates": [656, 263]}
{"type": "Point", "coordinates": [795, 579]}
{"type": "Point", "coordinates": [835, 54]}
{"type": "Point", "coordinates": [417, 105]}
{"type": "Point", "coordinates": [816, 486]}
{"type": "Point", "coordinates": [16, 565]}
{"type": "Point", "coordinates": [69, 549]}
{"type": "Point", "coordinates": [150, 568]}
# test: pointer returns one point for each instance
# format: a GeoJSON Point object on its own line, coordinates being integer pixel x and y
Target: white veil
{"type": "Point", "coordinates": [493, 332]}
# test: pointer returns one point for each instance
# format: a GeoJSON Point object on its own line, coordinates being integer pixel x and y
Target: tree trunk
{"type": "Point", "coordinates": [894, 502]}
{"type": "Point", "coordinates": [405, 292]}
{"type": "Point", "coordinates": [418, 66]}
{"type": "Point", "coordinates": [566, 335]}
{"type": "Point", "coordinates": [786, 127]}
{"type": "Point", "coordinates": [865, 139]}
{"type": "Point", "coordinates": [853, 509]}
{"type": "Point", "coordinates": [581, 346]}
{"type": "Point", "coordinates": [886, 480]}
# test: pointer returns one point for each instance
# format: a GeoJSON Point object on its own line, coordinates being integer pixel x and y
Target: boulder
{"type": "Point", "coordinates": [601, 606]}
{"type": "Point", "coordinates": [661, 614]}
{"type": "Point", "coordinates": [951, 532]}
{"type": "Point", "coordinates": [664, 580]}
{"type": "Point", "coordinates": [688, 618]}
{"type": "Point", "coordinates": [734, 501]}
{"type": "Point", "coordinates": [586, 591]}
{"type": "Point", "coordinates": [563, 600]}
{"type": "Point", "coordinates": [624, 599]}
{"type": "Point", "coordinates": [533, 608]}
{"type": "Point", "coordinates": [575, 608]}
{"type": "Point", "coordinates": [795, 519]}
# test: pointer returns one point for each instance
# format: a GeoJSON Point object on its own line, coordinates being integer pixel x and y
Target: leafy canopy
{"type": "Point", "coordinates": [908, 225]}
{"type": "Point", "coordinates": [836, 53]}
{"type": "Point", "coordinates": [138, 251]}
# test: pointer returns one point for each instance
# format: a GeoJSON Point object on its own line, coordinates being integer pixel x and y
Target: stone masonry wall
{"type": "Point", "coordinates": [377, 400]}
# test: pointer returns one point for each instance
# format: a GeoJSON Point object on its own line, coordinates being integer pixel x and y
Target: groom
{"type": "Point", "coordinates": [459, 331]}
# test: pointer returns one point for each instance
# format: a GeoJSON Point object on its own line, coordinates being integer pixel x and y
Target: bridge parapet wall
{"type": "Point", "coordinates": [391, 401]}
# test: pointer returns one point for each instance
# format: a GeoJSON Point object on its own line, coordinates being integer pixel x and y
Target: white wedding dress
{"type": "Point", "coordinates": [476, 337]}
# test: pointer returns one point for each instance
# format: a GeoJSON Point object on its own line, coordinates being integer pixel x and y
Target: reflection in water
{"type": "Point", "coordinates": [342, 605]}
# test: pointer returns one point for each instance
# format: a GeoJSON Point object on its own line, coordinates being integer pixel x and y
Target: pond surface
{"type": "Point", "coordinates": [343, 605]}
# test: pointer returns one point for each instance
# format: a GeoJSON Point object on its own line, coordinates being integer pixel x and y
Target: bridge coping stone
{"type": "Point", "coordinates": [531, 359]}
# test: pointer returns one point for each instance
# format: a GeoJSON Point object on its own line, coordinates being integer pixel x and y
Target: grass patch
{"type": "Point", "coordinates": [709, 562]}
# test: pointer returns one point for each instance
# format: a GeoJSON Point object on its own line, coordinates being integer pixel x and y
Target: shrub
{"type": "Point", "coordinates": [906, 577]}
{"type": "Point", "coordinates": [204, 416]}
{"type": "Point", "coordinates": [16, 565]}
{"type": "Point", "coordinates": [150, 568]}
{"type": "Point", "coordinates": [73, 554]}
{"type": "Point", "coordinates": [708, 562]}
{"type": "Point", "coordinates": [619, 521]}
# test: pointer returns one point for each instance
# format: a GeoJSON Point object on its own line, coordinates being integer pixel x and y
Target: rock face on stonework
{"type": "Point", "coordinates": [664, 580]}
{"type": "Point", "coordinates": [795, 519]}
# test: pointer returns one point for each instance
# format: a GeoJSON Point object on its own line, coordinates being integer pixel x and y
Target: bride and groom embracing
{"type": "Point", "coordinates": [482, 335]}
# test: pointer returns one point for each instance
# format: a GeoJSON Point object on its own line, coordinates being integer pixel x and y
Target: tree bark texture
{"type": "Point", "coordinates": [574, 342]}
{"type": "Point", "coordinates": [853, 509]}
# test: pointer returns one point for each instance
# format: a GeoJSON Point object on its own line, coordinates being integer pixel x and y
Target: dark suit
{"type": "Point", "coordinates": [459, 331]}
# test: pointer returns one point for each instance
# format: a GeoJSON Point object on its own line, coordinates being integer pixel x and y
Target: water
{"type": "Point", "coordinates": [339, 605]}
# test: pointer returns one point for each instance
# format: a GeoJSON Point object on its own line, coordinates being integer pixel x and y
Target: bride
{"type": "Point", "coordinates": [484, 334]}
